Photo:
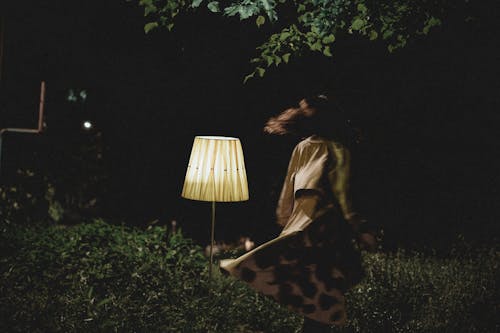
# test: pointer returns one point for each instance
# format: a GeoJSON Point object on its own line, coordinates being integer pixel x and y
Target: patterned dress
{"type": "Point", "coordinates": [310, 265]}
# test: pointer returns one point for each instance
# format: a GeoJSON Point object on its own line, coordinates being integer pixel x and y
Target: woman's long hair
{"type": "Point", "coordinates": [315, 115]}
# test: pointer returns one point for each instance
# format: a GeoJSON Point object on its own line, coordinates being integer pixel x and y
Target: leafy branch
{"type": "Point", "coordinates": [313, 25]}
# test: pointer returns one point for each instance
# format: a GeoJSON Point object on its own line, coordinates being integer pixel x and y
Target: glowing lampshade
{"type": "Point", "coordinates": [216, 170]}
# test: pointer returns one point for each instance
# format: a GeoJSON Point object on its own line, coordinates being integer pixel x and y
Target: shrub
{"type": "Point", "coordinates": [28, 199]}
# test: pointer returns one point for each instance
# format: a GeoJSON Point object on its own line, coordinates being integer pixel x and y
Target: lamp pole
{"type": "Point", "coordinates": [212, 241]}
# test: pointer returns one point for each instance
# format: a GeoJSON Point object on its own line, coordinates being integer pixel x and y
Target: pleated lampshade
{"type": "Point", "coordinates": [216, 170]}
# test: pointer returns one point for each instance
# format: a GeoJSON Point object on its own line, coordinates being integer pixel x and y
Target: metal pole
{"type": "Point", "coordinates": [37, 130]}
{"type": "Point", "coordinates": [1, 136]}
{"type": "Point", "coordinates": [2, 42]}
{"type": "Point", "coordinates": [41, 106]}
{"type": "Point", "coordinates": [2, 28]}
{"type": "Point", "coordinates": [212, 241]}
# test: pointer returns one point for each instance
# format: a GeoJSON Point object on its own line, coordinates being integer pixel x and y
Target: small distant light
{"type": "Point", "coordinates": [87, 125]}
{"type": "Point", "coordinates": [83, 95]}
{"type": "Point", "coordinates": [71, 96]}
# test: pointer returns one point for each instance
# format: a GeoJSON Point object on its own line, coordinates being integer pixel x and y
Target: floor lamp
{"type": "Point", "coordinates": [216, 173]}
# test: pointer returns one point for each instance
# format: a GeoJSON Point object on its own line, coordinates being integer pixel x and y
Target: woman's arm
{"type": "Point", "coordinates": [339, 177]}
{"type": "Point", "coordinates": [340, 182]}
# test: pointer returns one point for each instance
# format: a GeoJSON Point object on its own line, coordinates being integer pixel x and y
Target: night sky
{"type": "Point", "coordinates": [428, 167]}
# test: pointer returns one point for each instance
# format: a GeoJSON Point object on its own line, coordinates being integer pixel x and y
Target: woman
{"type": "Point", "coordinates": [310, 265]}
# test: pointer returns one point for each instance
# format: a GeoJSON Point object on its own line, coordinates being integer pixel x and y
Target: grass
{"type": "Point", "coordinates": [99, 277]}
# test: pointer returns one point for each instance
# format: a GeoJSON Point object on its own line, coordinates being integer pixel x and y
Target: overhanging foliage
{"type": "Point", "coordinates": [312, 25]}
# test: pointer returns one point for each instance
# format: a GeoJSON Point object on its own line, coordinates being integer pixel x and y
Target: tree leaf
{"type": "Point", "coordinates": [150, 26]}
{"type": "Point", "coordinates": [150, 9]}
{"type": "Point", "coordinates": [213, 6]}
{"type": "Point", "coordinates": [387, 33]}
{"type": "Point", "coordinates": [316, 46]}
{"type": "Point", "coordinates": [286, 57]}
{"type": "Point", "coordinates": [277, 60]}
{"type": "Point", "coordinates": [301, 8]}
{"type": "Point", "coordinates": [357, 24]}
{"type": "Point", "coordinates": [269, 60]}
{"type": "Point", "coordinates": [267, 5]}
{"type": "Point", "coordinates": [327, 52]}
{"type": "Point", "coordinates": [431, 22]}
{"type": "Point", "coordinates": [284, 35]}
{"type": "Point", "coordinates": [373, 35]}
{"type": "Point", "coordinates": [328, 39]}
{"type": "Point", "coordinates": [244, 9]}
{"type": "Point", "coordinates": [260, 20]}
{"type": "Point", "coordinates": [362, 8]}
{"type": "Point", "coordinates": [261, 71]}
{"type": "Point", "coordinates": [196, 3]}
{"type": "Point", "coordinates": [248, 77]}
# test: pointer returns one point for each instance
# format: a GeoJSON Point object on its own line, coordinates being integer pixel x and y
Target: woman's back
{"type": "Point", "coordinates": [317, 180]}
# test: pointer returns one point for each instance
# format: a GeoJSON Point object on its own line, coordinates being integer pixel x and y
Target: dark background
{"type": "Point", "coordinates": [426, 171]}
